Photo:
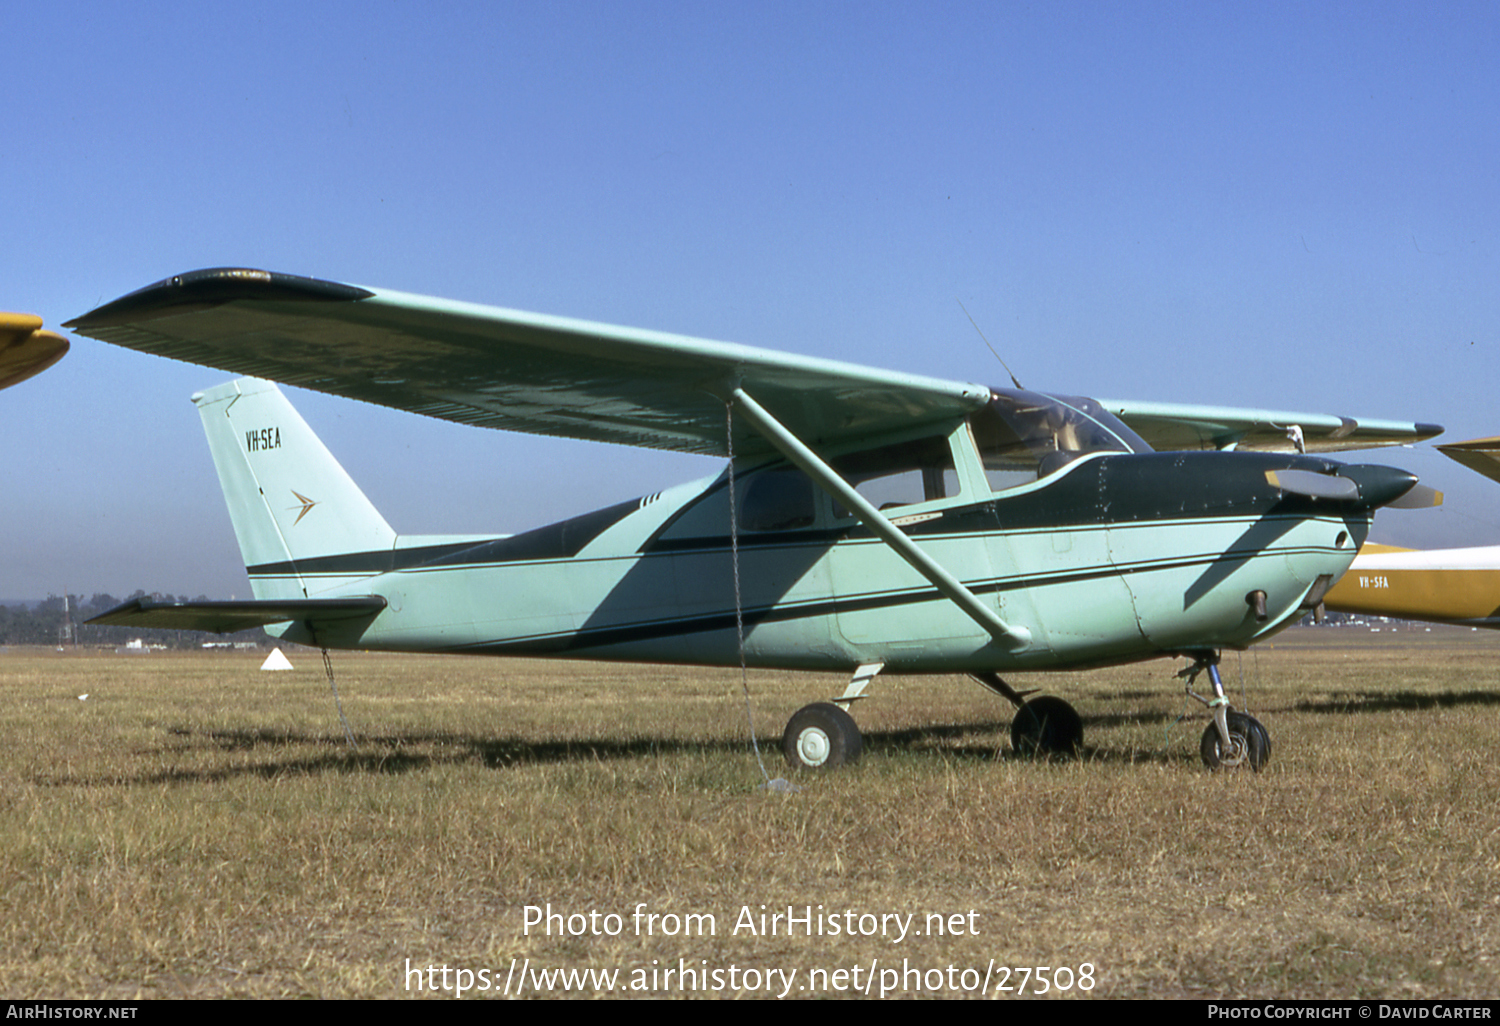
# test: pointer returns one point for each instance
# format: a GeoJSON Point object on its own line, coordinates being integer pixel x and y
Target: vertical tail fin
{"type": "Point", "coordinates": [303, 524]}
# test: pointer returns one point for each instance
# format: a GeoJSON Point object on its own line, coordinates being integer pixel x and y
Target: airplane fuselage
{"type": "Point", "coordinates": [1112, 558]}
{"type": "Point", "coordinates": [1458, 586]}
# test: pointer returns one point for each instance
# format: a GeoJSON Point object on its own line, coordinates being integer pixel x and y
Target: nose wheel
{"type": "Point", "coordinates": [1233, 739]}
{"type": "Point", "coordinates": [1249, 744]}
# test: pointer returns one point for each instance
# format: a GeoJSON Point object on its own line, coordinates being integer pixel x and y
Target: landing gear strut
{"type": "Point", "coordinates": [1233, 739]}
{"type": "Point", "coordinates": [1043, 726]}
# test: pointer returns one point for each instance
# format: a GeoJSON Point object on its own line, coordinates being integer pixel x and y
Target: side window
{"type": "Point", "coordinates": [777, 500]}
{"type": "Point", "coordinates": [901, 474]}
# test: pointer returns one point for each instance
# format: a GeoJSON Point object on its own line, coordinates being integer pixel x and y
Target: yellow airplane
{"type": "Point", "coordinates": [1458, 586]}
{"type": "Point", "coordinates": [25, 349]}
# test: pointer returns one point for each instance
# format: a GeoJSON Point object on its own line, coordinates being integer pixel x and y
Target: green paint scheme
{"type": "Point", "coordinates": [926, 525]}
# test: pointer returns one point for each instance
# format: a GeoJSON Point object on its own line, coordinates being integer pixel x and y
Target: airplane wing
{"type": "Point", "coordinates": [501, 368]}
{"type": "Point", "coordinates": [518, 371]}
{"type": "Point", "coordinates": [1174, 426]}
{"type": "Point", "coordinates": [1482, 455]}
{"type": "Point", "coordinates": [25, 349]}
{"type": "Point", "coordinates": [229, 617]}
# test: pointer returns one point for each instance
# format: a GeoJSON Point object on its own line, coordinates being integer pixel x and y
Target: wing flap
{"type": "Point", "coordinates": [230, 617]}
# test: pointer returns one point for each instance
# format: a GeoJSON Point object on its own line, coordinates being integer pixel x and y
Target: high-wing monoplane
{"type": "Point", "coordinates": [865, 519]}
{"type": "Point", "coordinates": [1458, 586]}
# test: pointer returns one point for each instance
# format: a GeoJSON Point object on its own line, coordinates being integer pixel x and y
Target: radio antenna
{"type": "Point", "coordinates": [965, 309]}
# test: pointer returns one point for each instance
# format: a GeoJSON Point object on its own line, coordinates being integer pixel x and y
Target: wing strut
{"type": "Point", "coordinates": [1011, 638]}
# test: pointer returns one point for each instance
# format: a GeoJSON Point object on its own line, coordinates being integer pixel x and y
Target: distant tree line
{"type": "Point", "coordinates": [48, 623]}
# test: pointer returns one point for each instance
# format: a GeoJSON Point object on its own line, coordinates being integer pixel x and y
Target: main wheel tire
{"type": "Point", "coordinates": [1250, 744]}
{"type": "Point", "coordinates": [821, 737]}
{"type": "Point", "coordinates": [1047, 726]}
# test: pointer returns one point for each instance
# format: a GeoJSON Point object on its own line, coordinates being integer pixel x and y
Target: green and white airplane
{"type": "Point", "coordinates": [865, 520]}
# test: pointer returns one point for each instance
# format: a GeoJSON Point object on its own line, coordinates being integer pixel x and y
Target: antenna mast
{"type": "Point", "coordinates": [965, 309]}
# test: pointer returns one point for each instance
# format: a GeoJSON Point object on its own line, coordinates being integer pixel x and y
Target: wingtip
{"type": "Point", "coordinates": [25, 349]}
{"type": "Point", "coordinates": [212, 286]}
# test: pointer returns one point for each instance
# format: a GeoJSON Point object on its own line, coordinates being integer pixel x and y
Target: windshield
{"type": "Point", "coordinates": [1026, 435]}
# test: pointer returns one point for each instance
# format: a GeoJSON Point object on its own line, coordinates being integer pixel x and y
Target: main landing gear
{"type": "Point", "coordinates": [1233, 739]}
{"type": "Point", "coordinates": [1044, 726]}
{"type": "Point", "coordinates": [823, 736]}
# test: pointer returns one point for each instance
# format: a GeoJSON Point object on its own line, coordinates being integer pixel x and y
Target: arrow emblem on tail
{"type": "Point", "coordinates": [304, 504]}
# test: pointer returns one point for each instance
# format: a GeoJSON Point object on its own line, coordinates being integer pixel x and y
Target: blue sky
{"type": "Point", "coordinates": [1290, 205]}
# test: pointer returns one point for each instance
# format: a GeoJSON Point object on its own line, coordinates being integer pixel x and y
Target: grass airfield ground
{"type": "Point", "coordinates": [198, 828]}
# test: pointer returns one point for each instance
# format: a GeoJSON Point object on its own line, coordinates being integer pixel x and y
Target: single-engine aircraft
{"type": "Point", "coordinates": [1458, 586]}
{"type": "Point", "coordinates": [877, 520]}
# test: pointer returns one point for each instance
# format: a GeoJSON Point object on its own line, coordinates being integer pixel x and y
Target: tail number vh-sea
{"type": "Point", "coordinates": [265, 438]}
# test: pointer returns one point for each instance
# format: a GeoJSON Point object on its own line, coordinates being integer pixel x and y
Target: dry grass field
{"type": "Point", "coordinates": [199, 828]}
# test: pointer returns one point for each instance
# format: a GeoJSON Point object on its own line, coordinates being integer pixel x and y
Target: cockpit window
{"type": "Point", "coordinates": [1023, 436]}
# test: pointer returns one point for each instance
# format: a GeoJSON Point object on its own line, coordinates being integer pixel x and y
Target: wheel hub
{"type": "Point", "coordinates": [813, 746]}
{"type": "Point", "coordinates": [1235, 755]}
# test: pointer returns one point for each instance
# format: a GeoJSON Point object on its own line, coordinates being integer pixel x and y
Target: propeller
{"type": "Point", "coordinates": [1420, 497]}
{"type": "Point", "coordinates": [1369, 484]}
{"type": "Point", "coordinates": [1313, 484]}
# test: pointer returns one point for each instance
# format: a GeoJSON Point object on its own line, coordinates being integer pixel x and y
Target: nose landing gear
{"type": "Point", "coordinates": [1234, 739]}
{"type": "Point", "coordinates": [1249, 744]}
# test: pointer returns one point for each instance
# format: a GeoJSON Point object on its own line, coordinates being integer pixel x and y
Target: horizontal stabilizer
{"type": "Point", "coordinates": [229, 617]}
